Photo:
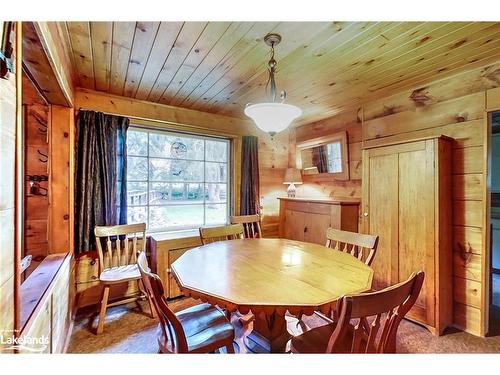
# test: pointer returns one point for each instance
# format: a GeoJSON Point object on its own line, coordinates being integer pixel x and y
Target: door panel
{"type": "Point", "coordinates": [316, 226]}
{"type": "Point", "coordinates": [416, 220]}
{"type": "Point", "coordinates": [295, 222]}
{"type": "Point", "coordinates": [382, 216]}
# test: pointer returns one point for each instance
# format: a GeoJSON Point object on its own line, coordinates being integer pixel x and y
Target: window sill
{"type": "Point", "coordinates": [174, 235]}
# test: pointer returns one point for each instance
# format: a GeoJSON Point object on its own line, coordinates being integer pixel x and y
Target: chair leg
{"type": "Point", "coordinates": [152, 313]}
{"type": "Point", "coordinates": [230, 348]}
{"type": "Point", "coordinates": [104, 306]}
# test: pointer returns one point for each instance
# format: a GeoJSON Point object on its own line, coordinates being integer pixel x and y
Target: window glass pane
{"type": "Point", "coordinates": [216, 172]}
{"type": "Point", "coordinates": [215, 214]}
{"type": "Point", "coordinates": [171, 146]}
{"type": "Point", "coordinates": [182, 216]}
{"type": "Point", "coordinates": [137, 168]}
{"type": "Point", "coordinates": [168, 193]}
{"type": "Point", "coordinates": [194, 193]}
{"type": "Point", "coordinates": [159, 193]}
{"type": "Point", "coordinates": [136, 215]}
{"type": "Point", "coordinates": [137, 143]}
{"type": "Point", "coordinates": [175, 170]}
{"type": "Point", "coordinates": [216, 193]}
{"type": "Point", "coordinates": [334, 158]}
{"type": "Point", "coordinates": [137, 193]}
{"type": "Point", "coordinates": [216, 150]}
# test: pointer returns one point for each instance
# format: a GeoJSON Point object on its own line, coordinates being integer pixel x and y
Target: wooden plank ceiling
{"type": "Point", "coordinates": [325, 67]}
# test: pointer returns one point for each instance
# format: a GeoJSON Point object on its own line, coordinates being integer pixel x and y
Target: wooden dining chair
{"type": "Point", "coordinates": [118, 263]}
{"type": "Point", "coordinates": [367, 323]}
{"type": "Point", "coordinates": [198, 329]}
{"type": "Point", "coordinates": [223, 233]}
{"type": "Point", "coordinates": [251, 225]}
{"type": "Point", "coordinates": [361, 246]}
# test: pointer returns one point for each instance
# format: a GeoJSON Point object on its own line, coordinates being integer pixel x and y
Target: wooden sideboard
{"type": "Point", "coordinates": [164, 249]}
{"type": "Point", "coordinates": [307, 220]}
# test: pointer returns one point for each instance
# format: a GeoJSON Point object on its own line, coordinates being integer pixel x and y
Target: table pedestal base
{"type": "Point", "coordinates": [271, 333]}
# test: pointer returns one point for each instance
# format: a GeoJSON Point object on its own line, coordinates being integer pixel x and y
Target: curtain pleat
{"type": "Point", "coordinates": [249, 191]}
{"type": "Point", "coordinates": [320, 159]}
{"type": "Point", "coordinates": [100, 175]}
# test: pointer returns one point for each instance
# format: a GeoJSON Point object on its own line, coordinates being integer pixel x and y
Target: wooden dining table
{"type": "Point", "coordinates": [270, 277]}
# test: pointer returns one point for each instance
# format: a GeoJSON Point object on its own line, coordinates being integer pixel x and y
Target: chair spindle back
{"type": "Point", "coordinates": [223, 233]}
{"type": "Point", "coordinates": [124, 238]}
{"type": "Point", "coordinates": [376, 318]}
{"type": "Point", "coordinates": [251, 225]}
{"type": "Point", "coordinates": [361, 246]}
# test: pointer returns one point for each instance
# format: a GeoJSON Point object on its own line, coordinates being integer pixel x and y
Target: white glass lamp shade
{"type": "Point", "coordinates": [272, 117]}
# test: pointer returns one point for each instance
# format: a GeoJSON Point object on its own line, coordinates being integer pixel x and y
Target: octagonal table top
{"type": "Point", "coordinates": [270, 274]}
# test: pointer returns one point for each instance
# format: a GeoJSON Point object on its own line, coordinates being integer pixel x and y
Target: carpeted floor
{"type": "Point", "coordinates": [128, 330]}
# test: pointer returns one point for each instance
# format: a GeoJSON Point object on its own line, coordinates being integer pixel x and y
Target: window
{"type": "Point", "coordinates": [177, 181]}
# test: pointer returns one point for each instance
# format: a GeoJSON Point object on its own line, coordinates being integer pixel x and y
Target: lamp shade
{"type": "Point", "coordinates": [293, 176]}
{"type": "Point", "coordinates": [272, 117]}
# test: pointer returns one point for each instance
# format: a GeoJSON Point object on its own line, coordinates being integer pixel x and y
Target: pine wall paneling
{"type": "Point", "coordinates": [455, 107]}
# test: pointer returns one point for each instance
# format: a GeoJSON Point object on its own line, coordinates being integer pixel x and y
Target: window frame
{"type": "Point", "coordinates": [229, 177]}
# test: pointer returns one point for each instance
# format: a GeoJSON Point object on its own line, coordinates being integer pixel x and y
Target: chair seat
{"type": "Point", "coordinates": [316, 340]}
{"type": "Point", "coordinates": [121, 273]}
{"type": "Point", "coordinates": [204, 326]}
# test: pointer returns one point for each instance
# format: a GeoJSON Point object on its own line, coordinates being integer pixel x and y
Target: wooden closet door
{"type": "Point", "coordinates": [380, 212]}
{"type": "Point", "coordinates": [417, 223]}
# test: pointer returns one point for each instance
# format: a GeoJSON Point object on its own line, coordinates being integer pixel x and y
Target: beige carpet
{"type": "Point", "coordinates": [128, 330]}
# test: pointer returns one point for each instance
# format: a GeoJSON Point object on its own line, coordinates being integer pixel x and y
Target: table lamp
{"type": "Point", "coordinates": [292, 177]}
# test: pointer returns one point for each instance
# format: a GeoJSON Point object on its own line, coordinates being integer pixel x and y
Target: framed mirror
{"type": "Point", "coordinates": [325, 156]}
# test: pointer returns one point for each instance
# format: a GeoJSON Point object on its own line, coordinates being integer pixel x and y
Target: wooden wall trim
{"type": "Point", "coordinates": [161, 113]}
{"type": "Point", "coordinates": [61, 176]}
{"type": "Point", "coordinates": [19, 182]}
{"type": "Point", "coordinates": [492, 103]}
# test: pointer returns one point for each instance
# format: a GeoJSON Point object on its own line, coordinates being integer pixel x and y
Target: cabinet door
{"type": "Point", "coordinates": [380, 213]}
{"type": "Point", "coordinates": [173, 287]}
{"type": "Point", "coordinates": [315, 228]}
{"type": "Point", "coordinates": [295, 222]}
{"type": "Point", "coordinates": [417, 226]}
{"type": "Point", "coordinates": [61, 309]}
{"type": "Point", "coordinates": [38, 335]}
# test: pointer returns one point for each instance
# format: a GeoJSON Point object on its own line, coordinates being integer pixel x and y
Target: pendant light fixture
{"type": "Point", "coordinates": [273, 116]}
